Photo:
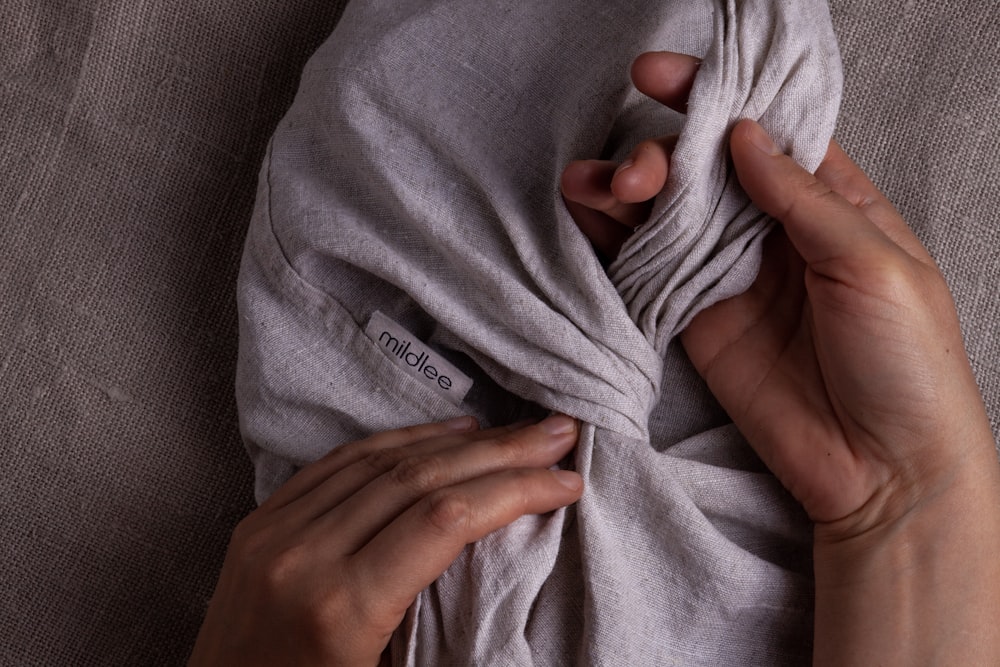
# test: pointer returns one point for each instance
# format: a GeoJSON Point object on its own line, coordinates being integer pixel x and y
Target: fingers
{"type": "Point", "coordinates": [604, 233]}
{"type": "Point", "coordinates": [606, 221]}
{"type": "Point", "coordinates": [314, 474]}
{"type": "Point", "coordinates": [623, 191]}
{"type": "Point", "coordinates": [361, 516]}
{"type": "Point", "coordinates": [666, 77]}
{"type": "Point", "coordinates": [400, 532]}
{"type": "Point", "coordinates": [590, 184]}
{"type": "Point", "coordinates": [435, 530]}
{"type": "Point", "coordinates": [823, 226]}
{"type": "Point", "coordinates": [607, 201]}
{"type": "Point", "coordinates": [644, 173]}
{"type": "Point", "coordinates": [337, 586]}
{"type": "Point", "coordinates": [369, 461]}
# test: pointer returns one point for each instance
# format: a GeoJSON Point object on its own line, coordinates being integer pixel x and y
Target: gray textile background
{"type": "Point", "coordinates": [130, 139]}
{"type": "Point", "coordinates": [131, 134]}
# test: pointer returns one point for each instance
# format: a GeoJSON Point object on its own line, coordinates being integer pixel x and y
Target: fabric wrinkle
{"type": "Point", "coordinates": [417, 175]}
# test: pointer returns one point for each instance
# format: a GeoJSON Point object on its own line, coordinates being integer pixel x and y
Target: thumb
{"type": "Point", "coordinates": [820, 223]}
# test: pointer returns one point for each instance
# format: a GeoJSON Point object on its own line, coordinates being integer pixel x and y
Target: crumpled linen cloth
{"type": "Point", "coordinates": [417, 176]}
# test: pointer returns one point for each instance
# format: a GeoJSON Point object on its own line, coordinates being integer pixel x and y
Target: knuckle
{"type": "Point", "coordinates": [523, 483]}
{"type": "Point", "coordinates": [893, 279]}
{"type": "Point", "coordinates": [385, 441]}
{"type": "Point", "coordinates": [265, 555]}
{"type": "Point", "coordinates": [330, 613]}
{"type": "Point", "coordinates": [448, 512]}
{"type": "Point", "coordinates": [249, 541]}
{"type": "Point", "coordinates": [347, 607]}
{"type": "Point", "coordinates": [803, 201]}
{"type": "Point", "coordinates": [317, 620]}
{"type": "Point", "coordinates": [416, 433]}
{"type": "Point", "coordinates": [357, 603]}
{"type": "Point", "coordinates": [419, 473]}
{"type": "Point", "coordinates": [242, 533]}
{"type": "Point", "coordinates": [380, 461]}
{"type": "Point", "coordinates": [412, 433]}
{"type": "Point", "coordinates": [408, 434]}
{"type": "Point", "coordinates": [348, 451]}
{"type": "Point", "coordinates": [282, 569]}
{"type": "Point", "coordinates": [515, 447]}
{"type": "Point", "coordinates": [896, 272]}
{"type": "Point", "coordinates": [319, 610]}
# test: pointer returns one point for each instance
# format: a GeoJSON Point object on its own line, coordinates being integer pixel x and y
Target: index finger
{"type": "Point", "coordinates": [312, 475]}
{"type": "Point", "coordinates": [416, 548]}
{"type": "Point", "coordinates": [666, 76]}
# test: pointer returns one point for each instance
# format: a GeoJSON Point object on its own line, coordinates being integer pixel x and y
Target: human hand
{"type": "Point", "coordinates": [844, 364]}
{"type": "Point", "coordinates": [323, 572]}
{"type": "Point", "coordinates": [844, 367]}
{"type": "Point", "coordinates": [609, 200]}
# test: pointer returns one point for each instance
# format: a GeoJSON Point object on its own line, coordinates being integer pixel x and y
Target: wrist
{"type": "Point", "coordinates": [958, 523]}
{"type": "Point", "coordinates": [915, 586]}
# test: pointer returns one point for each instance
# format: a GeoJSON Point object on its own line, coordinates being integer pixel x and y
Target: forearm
{"type": "Point", "coordinates": [924, 589]}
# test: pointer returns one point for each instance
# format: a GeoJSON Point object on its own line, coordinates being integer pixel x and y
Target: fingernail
{"type": "Point", "coordinates": [760, 139]}
{"type": "Point", "coordinates": [569, 479]}
{"type": "Point", "coordinates": [558, 424]}
{"type": "Point", "coordinates": [461, 424]}
{"type": "Point", "coordinates": [629, 162]}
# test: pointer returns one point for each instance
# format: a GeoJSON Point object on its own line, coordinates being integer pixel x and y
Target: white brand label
{"type": "Point", "coordinates": [421, 362]}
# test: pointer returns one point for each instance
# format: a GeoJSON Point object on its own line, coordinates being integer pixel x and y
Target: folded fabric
{"type": "Point", "coordinates": [410, 259]}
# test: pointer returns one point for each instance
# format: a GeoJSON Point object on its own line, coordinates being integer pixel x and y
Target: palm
{"type": "Point", "coordinates": [829, 371]}
{"type": "Point", "coordinates": [758, 355]}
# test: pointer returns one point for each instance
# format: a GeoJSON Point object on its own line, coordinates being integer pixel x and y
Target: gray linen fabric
{"type": "Point", "coordinates": [417, 175]}
{"type": "Point", "coordinates": [114, 516]}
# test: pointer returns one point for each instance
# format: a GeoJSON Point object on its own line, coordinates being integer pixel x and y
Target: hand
{"type": "Point", "coordinates": [844, 367]}
{"type": "Point", "coordinates": [323, 572]}
{"type": "Point", "coordinates": [844, 364]}
{"type": "Point", "coordinates": [609, 200]}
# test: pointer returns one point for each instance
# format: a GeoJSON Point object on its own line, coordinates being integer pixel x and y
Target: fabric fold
{"type": "Point", "coordinates": [774, 62]}
{"type": "Point", "coordinates": [417, 176]}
